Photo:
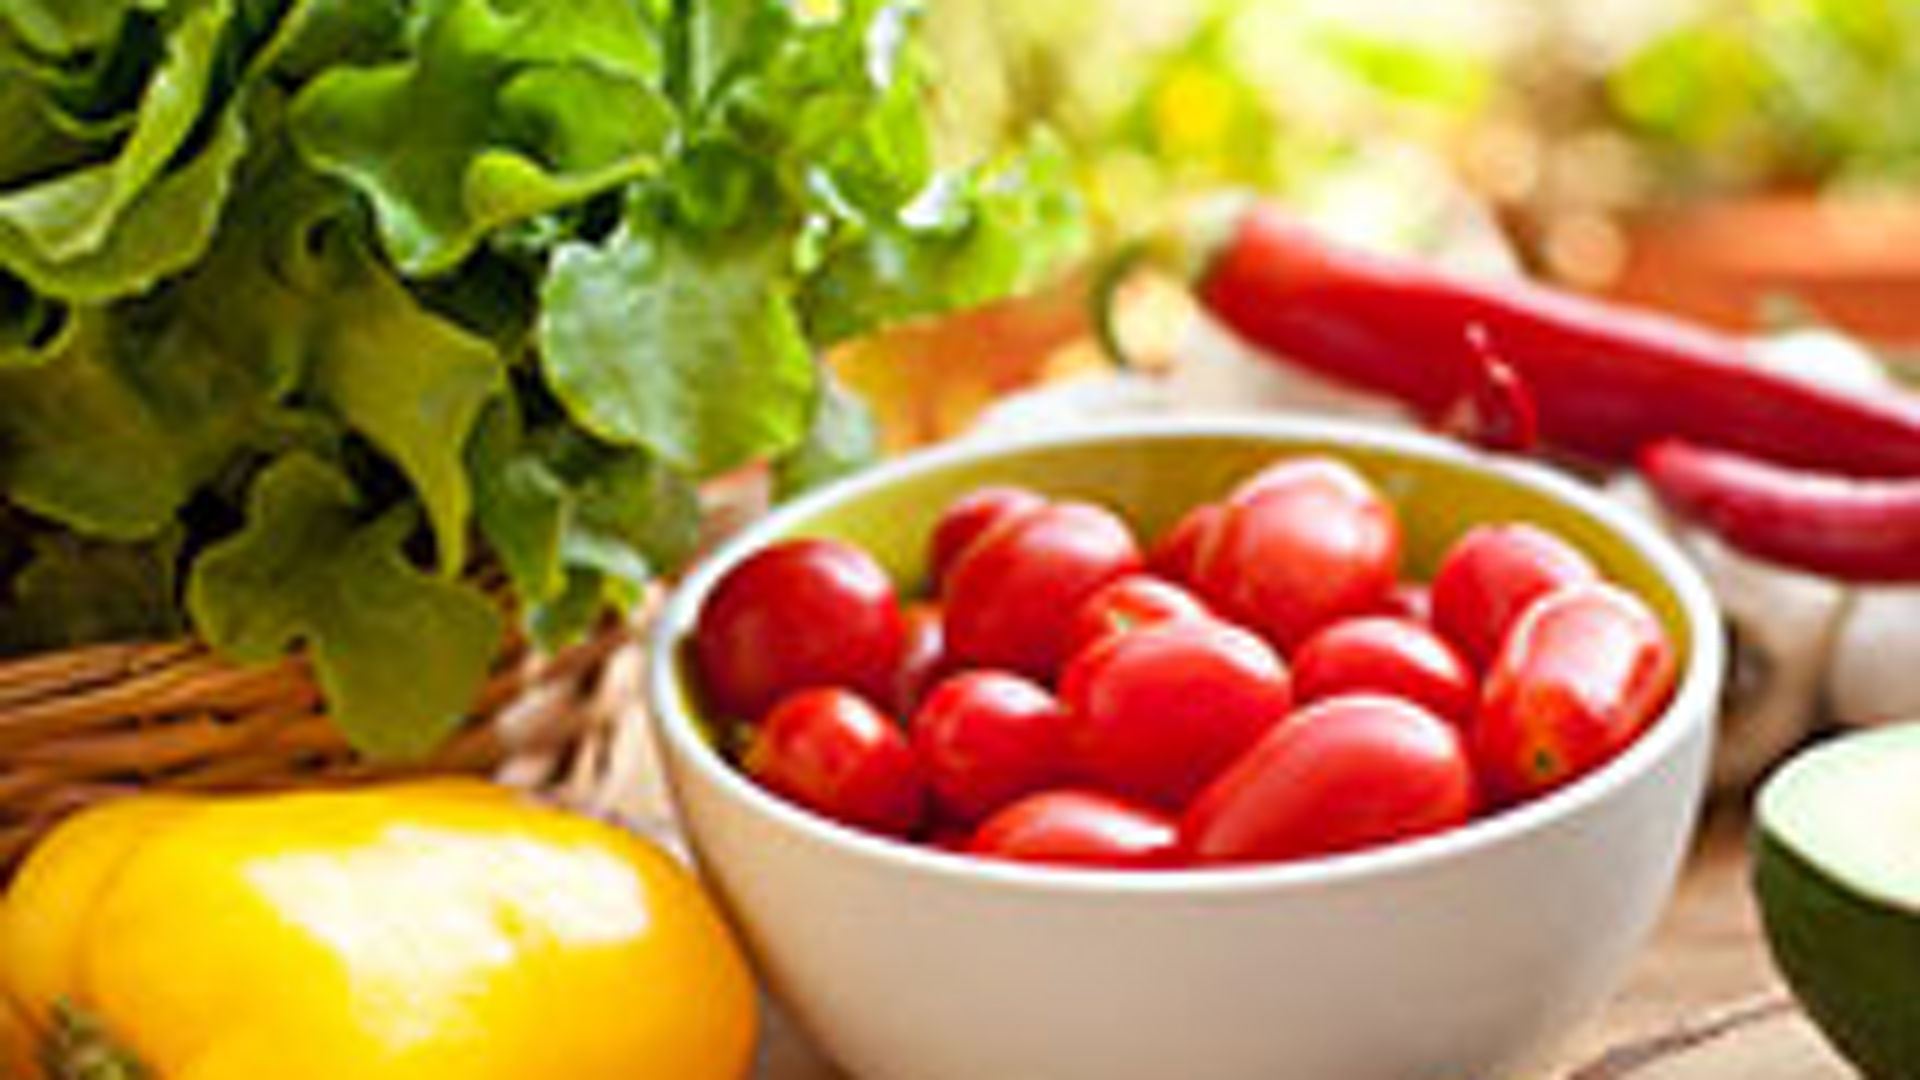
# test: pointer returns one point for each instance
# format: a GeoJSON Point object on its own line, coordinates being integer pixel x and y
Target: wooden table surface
{"type": "Point", "coordinates": [1702, 1003]}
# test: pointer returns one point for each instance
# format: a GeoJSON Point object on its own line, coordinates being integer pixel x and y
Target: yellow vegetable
{"type": "Point", "coordinates": [16, 1055]}
{"type": "Point", "coordinates": [445, 931]}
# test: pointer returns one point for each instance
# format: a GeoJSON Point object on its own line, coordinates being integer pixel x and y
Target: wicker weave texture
{"type": "Point", "coordinates": [95, 723]}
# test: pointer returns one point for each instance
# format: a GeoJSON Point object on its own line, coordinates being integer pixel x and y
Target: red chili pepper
{"type": "Point", "coordinates": [1497, 411]}
{"type": "Point", "coordinates": [1605, 381]}
{"type": "Point", "coordinates": [1856, 530]}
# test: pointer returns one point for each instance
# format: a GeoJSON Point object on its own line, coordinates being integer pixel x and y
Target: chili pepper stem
{"type": "Point", "coordinates": [1496, 410]}
{"type": "Point", "coordinates": [1103, 301]}
{"type": "Point", "coordinates": [1184, 249]}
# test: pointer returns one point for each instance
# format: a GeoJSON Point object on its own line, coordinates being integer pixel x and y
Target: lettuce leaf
{"type": "Point", "coordinates": [400, 654]}
{"type": "Point", "coordinates": [76, 591]}
{"type": "Point", "coordinates": [75, 213]}
{"type": "Point", "coordinates": [420, 413]}
{"type": "Point", "coordinates": [580, 526]}
{"type": "Point", "coordinates": [842, 439]}
{"type": "Point", "coordinates": [965, 240]}
{"type": "Point", "coordinates": [163, 230]}
{"type": "Point", "coordinates": [649, 339]}
{"type": "Point", "coordinates": [69, 27]}
{"type": "Point", "coordinates": [163, 412]}
{"type": "Point", "coordinates": [501, 111]}
{"type": "Point", "coordinates": [316, 306]}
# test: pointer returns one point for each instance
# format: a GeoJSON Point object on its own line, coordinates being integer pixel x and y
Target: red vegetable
{"type": "Point", "coordinates": [923, 656]}
{"type": "Point", "coordinates": [1156, 713]}
{"type": "Point", "coordinates": [1011, 598]}
{"type": "Point", "coordinates": [1384, 655]}
{"type": "Point", "coordinates": [1604, 380]}
{"type": "Point", "coordinates": [1302, 544]}
{"type": "Point", "coordinates": [1489, 577]}
{"type": "Point", "coordinates": [799, 614]}
{"type": "Point", "coordinates": [968, 518]}
{"type": "Point", "coordinates": [1078, 828]}
{"type": "Point", "coordinates": [1582, 673]}
{"type": "Point", "coordinates": [1129, 603]}
{"type": "Point", "coordinates": [1411, 600]}
{"type": "Point", "coordinates": [1856, 530]}
{"type": "Point", "coordinates": [1177, 555]}
{"type": "Point", "coordinates": [830, 751]}
{"type": "Point", "coordinates": [985, 738]}
{"type": "Point", "coordinates": [1347, 773]}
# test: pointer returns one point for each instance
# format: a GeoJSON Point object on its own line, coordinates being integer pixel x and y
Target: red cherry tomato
{"type": "Point", "coordinates": [1011, 598]}
{"type": "Point", "coordinates": [830, 751]}
{"type": "Point", "coordinates": [970, 517]}
{"type": "Point", "coordinates": [1581, 675]}
{"type": "Point", "coordinates": [951, 838]}
{"type": "Point", "coordinates": [799, 614]}
{"type": "Point", "coordinates": [1386, 655]}
{"type": "Point", "coordinates": [1129, 603]}
{"type": "Point", "coordinates": [1411, 600]}
{"type": "Point", "coordinates": [1491, 574]}
{"type": "Point", "coordinates": [1311, 470]}
{"type": "Point", "coordinates": [922, 657]}
{"type": "Point", "coordinates": [1341, 775]}
{"type": "Point", "coordinates": [1156, 713]}
{"type": "Point", "coordinates": [985, 738]}
{"type": "Point", "coordinates": [1078, 828]}
{"type": "Point", "coordinates": [1303, 544]}
{"type": "Point", "coordinates": [1177, 555]}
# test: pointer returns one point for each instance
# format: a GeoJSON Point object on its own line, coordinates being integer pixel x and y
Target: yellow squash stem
{"type": "Point", "coordinates": [79, 1048]}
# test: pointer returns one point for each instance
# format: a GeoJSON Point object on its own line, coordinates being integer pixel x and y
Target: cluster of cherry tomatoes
{"type": "Point", "coordinates": [1258, 685]}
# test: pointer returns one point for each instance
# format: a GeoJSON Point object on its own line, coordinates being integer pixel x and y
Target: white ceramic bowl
{"type": "Point", "coordinates": [1455, 957]}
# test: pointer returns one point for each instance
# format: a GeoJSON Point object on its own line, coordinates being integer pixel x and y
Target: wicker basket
{"type": "Point", "coordinates": [93, 723]}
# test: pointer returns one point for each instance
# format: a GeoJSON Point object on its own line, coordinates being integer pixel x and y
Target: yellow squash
{"type": "Point", "coordinates": [444, 931]}
{"type": "Point", "coordinates": [16, 1048]}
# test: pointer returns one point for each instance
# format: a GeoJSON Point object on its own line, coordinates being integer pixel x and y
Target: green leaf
{"type": "Point", "coordinates": [74, 592]}
{"type": "Point", "coordinates": [35, 145]}
{"type": "Point", "coordinates": [966, 240]}
{"type": "Point", "coordinates": [164, 229]}
{"type": "Point", "coordinates": [400, 654]}
{"type": "Point", "coordinates": [134, 407]}
{"type": "Point", "coordinates": [32, 328]}
{"type": "Point", "coordinates": [74, 213]}
{"type": "Point", "coordinates": [519, 503]}
{"type": "Point", "coordinates": [843, 439]}
{"type": "Point", "coordinates": [836, 106]}
{"type": "Point", "coordinates": [730, 40]}
{"type": "Point", "coordinates": [632, 516]}
{"type": "Point", "coordinates": [503, 111]}
{"type": "Point", "coordinates": [571, 613]}
{"type": "Point", "coordinates": [162, 409]}
{"type": "Point", "coordinates": [321, 34]}
{"type": "Point", "coordinates": [413, 384]}
{"type": "Point", "coordinates": [560, 510]}
{"type": "Point", "coordinates": [64, 27]}
{"type": "Point", "coordinates": [693, 354]}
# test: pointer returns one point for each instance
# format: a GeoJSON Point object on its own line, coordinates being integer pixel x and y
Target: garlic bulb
{"type": "Point", "coordinates": [1875, 674]}
{"type": "Point", "coordinates": [1780, 627]}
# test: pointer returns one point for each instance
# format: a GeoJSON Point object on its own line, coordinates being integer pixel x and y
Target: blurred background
{"type": "Point", "coordinates": [1742, 161]}
{"type": "Point", "coordinates": [1751, 164]}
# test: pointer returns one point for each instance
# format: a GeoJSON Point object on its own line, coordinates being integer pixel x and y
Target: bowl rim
{"type": "Point", "coordinates": [1693, 705]}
